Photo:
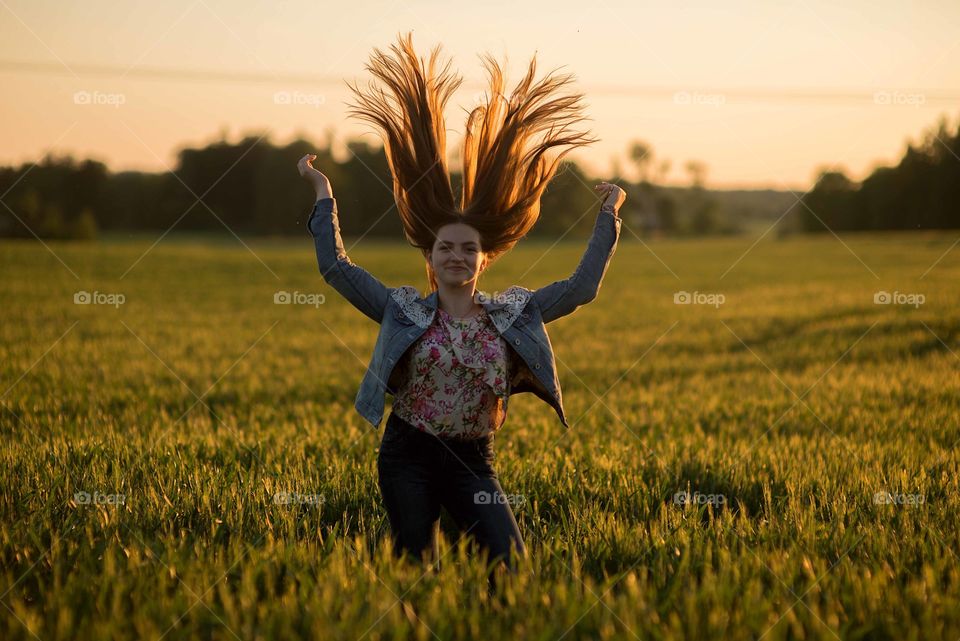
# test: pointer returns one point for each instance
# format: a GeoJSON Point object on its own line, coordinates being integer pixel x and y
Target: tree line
{"type": "Point", "coordinates": [251, 187]}
{"type": "Point", "coordinates": [921, 192]}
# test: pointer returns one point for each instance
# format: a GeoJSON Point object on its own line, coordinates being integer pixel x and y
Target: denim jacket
{"type": "Point", "coordinates": [519, 314]}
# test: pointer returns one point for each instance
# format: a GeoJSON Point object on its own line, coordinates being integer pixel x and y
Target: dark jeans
{"type": "Point", "coordinates": [418, 472]}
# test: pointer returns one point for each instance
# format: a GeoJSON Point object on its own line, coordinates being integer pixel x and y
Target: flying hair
{"type": "Point", "coordinates": [505, 149]}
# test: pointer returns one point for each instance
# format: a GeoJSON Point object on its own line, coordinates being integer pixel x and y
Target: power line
{"type": "Point", "coordinates": [679, 94]}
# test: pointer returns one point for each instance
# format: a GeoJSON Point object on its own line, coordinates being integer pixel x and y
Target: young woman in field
{"type": "Point", "coordinates": [451, 360]}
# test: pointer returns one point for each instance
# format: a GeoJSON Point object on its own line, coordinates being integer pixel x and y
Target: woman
{"type": "Point", "coordinates": [453, 359]}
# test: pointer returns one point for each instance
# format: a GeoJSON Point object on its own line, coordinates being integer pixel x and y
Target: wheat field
{"type": "Point", "coordinates": [775, 458]}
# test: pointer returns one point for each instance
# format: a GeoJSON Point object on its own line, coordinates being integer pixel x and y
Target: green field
{"type": "Point", "coordinates": [794, 403]}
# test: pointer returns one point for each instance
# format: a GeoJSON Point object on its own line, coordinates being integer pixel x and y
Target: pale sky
{"type": "Point", "coordinates": [762, 93]}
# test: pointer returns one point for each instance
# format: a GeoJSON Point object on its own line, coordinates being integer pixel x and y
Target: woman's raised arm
{"type": "Point", "coordinates": [354, 283]}
{"type": "Point", "coordinates": [564, 296]}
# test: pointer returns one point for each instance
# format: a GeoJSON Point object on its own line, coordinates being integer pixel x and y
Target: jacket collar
{"type": "Point", "coordinates": [503, 311]}
{"type": "Point", "coordinates": [487, 301]}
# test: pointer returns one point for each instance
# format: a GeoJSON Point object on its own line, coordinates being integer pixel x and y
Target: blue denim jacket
{"type": "Point", "coordinates": [519, 314]}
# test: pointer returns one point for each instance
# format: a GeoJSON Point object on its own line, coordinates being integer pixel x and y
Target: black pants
{"type": "Point", "coordinates": [418, 472]}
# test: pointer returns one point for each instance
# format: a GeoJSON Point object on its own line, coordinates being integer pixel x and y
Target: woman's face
{"type": "Point", "coordinates": [457, 257]}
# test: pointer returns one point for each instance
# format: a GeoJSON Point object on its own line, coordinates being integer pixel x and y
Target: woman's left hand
{"type": "Point", "coordinates": [614, 195]}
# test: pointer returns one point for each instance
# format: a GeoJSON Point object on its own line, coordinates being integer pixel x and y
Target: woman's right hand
{"type": "Point", "coordinates": [320, 182]}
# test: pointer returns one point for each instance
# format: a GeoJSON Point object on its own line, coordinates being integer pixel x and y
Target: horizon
{"type": "Point", "coordinates": [841, 92]}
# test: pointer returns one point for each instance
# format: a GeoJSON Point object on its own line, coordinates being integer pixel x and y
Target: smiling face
{"type": "Point", "coordinates": [457, 257]}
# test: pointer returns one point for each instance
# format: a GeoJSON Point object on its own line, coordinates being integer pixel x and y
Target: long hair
{"type": "Point", "coordinates": [505, 164]}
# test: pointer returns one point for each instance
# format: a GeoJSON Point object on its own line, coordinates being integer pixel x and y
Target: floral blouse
{"type": "Point", "coordinates": [456, 379]}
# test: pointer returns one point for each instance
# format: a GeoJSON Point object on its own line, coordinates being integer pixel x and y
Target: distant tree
{"type": "Point", "coordinates": [703, 215]}
{"type": "Point", "coordinates": [84, 226]}
{"type": "Point", "coordinates": [666, 213]}
{"type": "Point", "coordinates": [828, 205]}
{"type": "Point", "coordinates": [705, 220]}
{"type": "Point", "coordinates": [641, 154]}
{"type": "Point", "coordinates": [663, 168]}
{"type": "Point", "coordinates": [698, 173]}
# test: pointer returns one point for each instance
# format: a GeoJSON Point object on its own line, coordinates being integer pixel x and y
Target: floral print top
{"type": "Point", "coordinates": [456, 381]}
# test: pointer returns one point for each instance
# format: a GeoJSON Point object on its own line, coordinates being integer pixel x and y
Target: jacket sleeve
{"type": "Point", "coordinates": [354, 283]}
{"type": "Point", "coordinates": [565, 296]}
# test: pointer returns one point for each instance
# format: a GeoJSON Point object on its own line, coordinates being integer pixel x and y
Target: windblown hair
{"type": "Point", "coordinates": [505, 168]}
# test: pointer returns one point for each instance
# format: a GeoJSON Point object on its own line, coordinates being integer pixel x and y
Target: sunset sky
{"type": "Point", "coordinates": [762, 93]}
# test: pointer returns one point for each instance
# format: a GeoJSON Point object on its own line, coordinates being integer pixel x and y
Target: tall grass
{"type": "Point", "coordinates": [813, 433]}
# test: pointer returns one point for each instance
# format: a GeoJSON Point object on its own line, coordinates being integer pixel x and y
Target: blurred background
{"type": "Point", "coordinates": [741, 119]}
